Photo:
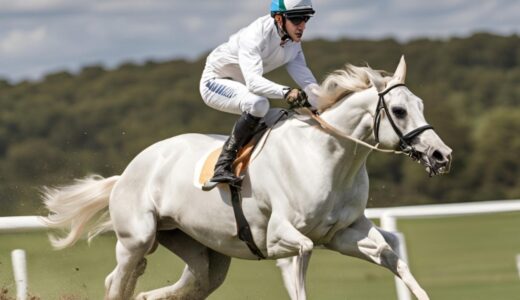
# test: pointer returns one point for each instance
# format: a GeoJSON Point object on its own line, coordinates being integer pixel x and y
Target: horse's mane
{"type": "Point", "coordinates": [343, 82]}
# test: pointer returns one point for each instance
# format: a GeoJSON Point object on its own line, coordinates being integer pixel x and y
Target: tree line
{"type": "Point", "coordinates": [68, 125]}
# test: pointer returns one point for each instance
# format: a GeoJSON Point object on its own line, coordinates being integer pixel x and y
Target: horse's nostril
{"type": "Point", "coordinates": [437, 155]}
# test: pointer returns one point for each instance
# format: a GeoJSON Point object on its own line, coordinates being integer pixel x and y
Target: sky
{"type": "Point", "coordinates": [39, 37]}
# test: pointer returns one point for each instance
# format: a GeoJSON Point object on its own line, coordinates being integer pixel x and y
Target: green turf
{"type": "Point", "coordinates": [453, 258]}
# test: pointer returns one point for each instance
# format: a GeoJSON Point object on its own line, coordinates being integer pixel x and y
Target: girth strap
{"type": "Point", "coordinates": [243, 229]}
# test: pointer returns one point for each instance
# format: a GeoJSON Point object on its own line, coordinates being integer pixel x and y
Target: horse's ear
{"type": "Point", "coordinates": [400, 72]}
{"type": "Point", "coordinates": [377, 82]}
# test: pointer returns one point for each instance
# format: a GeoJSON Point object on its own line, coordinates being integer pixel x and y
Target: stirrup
{"type": "Point", "coordinates": [209, 185]}
{"type": "Point", "coordinates": [224, 177]}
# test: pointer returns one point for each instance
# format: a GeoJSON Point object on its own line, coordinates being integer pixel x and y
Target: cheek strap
{"type": "Point", "coordinates": [282, 31]}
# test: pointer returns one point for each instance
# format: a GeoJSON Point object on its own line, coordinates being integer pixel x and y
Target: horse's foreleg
{"type": "Point", "coordinates": [285, 240]}
{"type": "Point", "coordinates": [205, 269]}
{"type": "Point", "coordinates": [399, 267]}
{"type": "Point", "coordinates": [365, 241]}
{"type": "Point", "coordinates": [293, 271]}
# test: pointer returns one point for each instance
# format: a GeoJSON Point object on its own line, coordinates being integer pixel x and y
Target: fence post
{"type": "Point", "coordinates": [518, 263]}
{"type": "Point", "coordinates": [20, 273]}
{"type": "Point", "coordinates": [389, 223]}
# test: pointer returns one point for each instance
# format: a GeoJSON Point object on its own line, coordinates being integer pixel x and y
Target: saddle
{"type": "Point", "coordinates": [206, 165]}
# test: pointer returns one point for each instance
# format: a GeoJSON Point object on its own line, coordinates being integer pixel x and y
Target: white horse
{"type": "Point", "coordinates": [306, 187]}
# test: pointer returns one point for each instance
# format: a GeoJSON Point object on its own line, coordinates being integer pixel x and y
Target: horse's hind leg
{"type": "Point", "coordinates": [204, 272]}
{"type": "Point", "coordinates": [136, 237]}
{"type": "Point", "coordinates": [365, 241]}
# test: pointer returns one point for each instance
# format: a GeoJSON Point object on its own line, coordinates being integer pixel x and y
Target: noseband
{"type": "Point", "coordinates": [405, 141]}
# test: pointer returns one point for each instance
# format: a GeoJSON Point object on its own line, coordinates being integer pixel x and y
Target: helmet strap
{"type": "Point", "coordinates": [282, 31]}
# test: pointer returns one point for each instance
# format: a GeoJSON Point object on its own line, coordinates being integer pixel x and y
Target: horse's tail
{"type": "Point", "coordinates": [80, 207]}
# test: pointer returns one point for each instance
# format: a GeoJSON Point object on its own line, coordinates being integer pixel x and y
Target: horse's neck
{"type": "Point", "coordinates": [342, 157]}
{"type": "Point", "coordinates": [353, 115]}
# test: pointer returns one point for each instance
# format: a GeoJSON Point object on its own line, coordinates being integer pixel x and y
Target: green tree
{"type": "Point", "coordinates": [494, 165]}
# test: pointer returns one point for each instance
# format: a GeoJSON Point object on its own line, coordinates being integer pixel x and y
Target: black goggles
{"type": "Point", "coordinates": [297, 20]}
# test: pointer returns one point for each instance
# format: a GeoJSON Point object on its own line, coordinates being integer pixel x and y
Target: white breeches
{"type": "Point", "coordinates": [231, 96]}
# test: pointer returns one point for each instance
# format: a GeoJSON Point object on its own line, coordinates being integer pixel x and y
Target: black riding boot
{"type": "Point", "coordinates": [243, 131]}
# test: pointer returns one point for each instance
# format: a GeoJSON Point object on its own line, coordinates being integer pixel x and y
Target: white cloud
{"type": "Point", "coordinates": [20, 42]}
{"type": "Point", "coordinates": [194, 23]}
{"type": "Point", "coordinates": [349, 16]}
{"type": "Point", "coordinates": [431, 6]}
{"type": "Point", "coordinates": [134, 5]}
{"type": "Point", "coordinates": [30, 5]}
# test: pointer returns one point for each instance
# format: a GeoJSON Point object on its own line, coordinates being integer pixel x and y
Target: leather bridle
{"type": "Point", "coordinates": [405, 141]}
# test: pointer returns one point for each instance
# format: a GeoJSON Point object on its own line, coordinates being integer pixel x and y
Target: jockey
{"type": "Point", "coordinates": [233, 78]}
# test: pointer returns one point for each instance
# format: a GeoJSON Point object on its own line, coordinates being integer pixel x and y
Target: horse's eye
{"type": "Point", "coordinates": [399, 112]}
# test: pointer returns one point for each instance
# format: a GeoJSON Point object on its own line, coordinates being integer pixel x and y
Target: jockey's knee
{"type": "Point", "coordinates": [257, 106]}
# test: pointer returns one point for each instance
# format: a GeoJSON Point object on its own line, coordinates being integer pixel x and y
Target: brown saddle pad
{"type": "Point", "coordinates": [244, 155]}
{"type": "Point", "coordinates": [239, 165]}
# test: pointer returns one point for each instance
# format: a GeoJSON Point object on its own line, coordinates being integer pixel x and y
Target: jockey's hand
{"type": "Point", "coordinates": [296, 98]}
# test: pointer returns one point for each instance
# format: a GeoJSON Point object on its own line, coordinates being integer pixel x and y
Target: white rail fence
{"type": "Point", "coordinates": [388, 221]}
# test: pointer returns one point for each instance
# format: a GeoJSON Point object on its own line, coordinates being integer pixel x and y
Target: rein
{"type": "Point", "coordinates": [337, 132]}
{"type": "Point", "coordinates": [404, 140]}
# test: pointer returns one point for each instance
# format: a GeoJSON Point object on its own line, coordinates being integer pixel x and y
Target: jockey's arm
{"type": "Point", "coordinates": [252, 69]}
{"type": "Point", "coordinates": [303, 76]}
{"type": "Point", "coordinates": [251, 65]}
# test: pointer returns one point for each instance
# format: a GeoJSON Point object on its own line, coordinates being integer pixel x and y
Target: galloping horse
{"type": "Point", "coordinates": [308, 186]}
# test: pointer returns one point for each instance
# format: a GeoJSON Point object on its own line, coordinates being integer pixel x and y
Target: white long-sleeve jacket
{"type": "Point", "coordinates": [254, 51]}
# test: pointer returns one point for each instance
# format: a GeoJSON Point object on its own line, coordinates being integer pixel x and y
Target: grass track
{"type": "Point", "coordinates": [463, 258]}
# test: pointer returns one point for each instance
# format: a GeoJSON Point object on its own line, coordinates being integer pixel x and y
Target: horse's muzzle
{"type": "Point", "coordinates": [437, 161]}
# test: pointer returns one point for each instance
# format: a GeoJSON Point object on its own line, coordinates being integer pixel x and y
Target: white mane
{"type": "Point", "coordinates": [343, 82]}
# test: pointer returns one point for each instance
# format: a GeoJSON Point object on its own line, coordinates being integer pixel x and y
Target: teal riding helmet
{"type": "Point", "coordinates": [300, 8]}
